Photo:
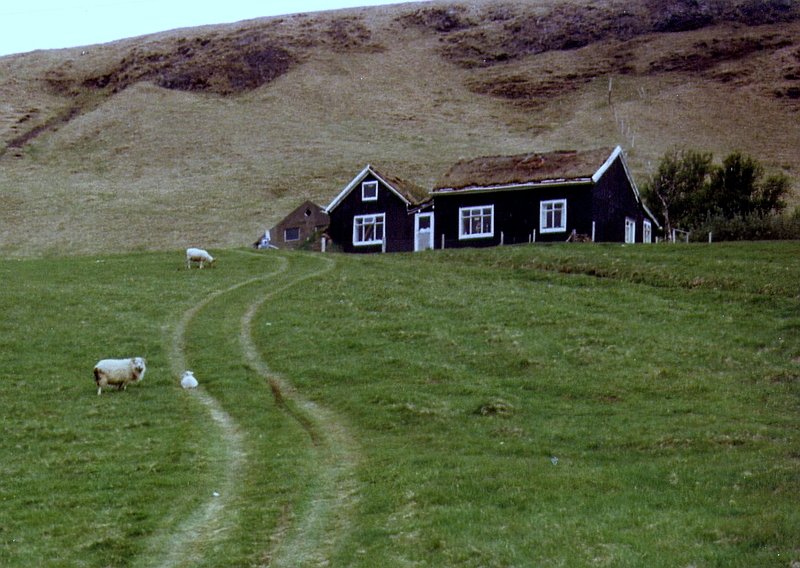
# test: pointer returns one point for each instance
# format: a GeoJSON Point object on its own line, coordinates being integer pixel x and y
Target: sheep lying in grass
{"type": "Point", "coordinates": [188, 381]}
{"type": "Point", "coordinates": [199, 256]}
{"type": "Point", "coordinates": [118, 372]}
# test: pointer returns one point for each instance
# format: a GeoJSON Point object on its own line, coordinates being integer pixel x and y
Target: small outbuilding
{"type": "Point", "coordinates": [302, 228]}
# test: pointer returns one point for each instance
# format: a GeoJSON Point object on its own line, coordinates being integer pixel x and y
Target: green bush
{"type": "Point", "coordinates": [752, 227]}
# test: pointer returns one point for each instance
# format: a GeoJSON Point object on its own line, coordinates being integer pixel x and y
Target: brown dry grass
{"type": "Point", "coordinates": [264, 114]}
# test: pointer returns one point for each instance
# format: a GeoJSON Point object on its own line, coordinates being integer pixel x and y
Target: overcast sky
{"type": "Point", "coordinates": [26, 25]}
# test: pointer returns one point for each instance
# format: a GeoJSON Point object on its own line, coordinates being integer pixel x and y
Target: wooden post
{"type": "Point", "coordinates": [502, 238]}
{"type": "Point", "coordinates": [709, 236]}
{"type": "Point", "coordinates": [593, 228]}
{"type": "Point", "coordinates": [534, 235]}
{"type": "Point", "coordinates": [442, 241]}
{"type": "Point", "coordinates": [323, 244]}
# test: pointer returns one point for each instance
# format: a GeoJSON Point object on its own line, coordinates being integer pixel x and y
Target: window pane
{"type": "Point", "coordinates": [557, 216]}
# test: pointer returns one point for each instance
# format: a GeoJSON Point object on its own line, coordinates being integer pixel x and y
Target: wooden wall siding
{"type": "Point", "coordinates": [613, 200]}
{"type": "Point", "coordinates": [398, 228]}
{"type": "Point", "coordinates": [516, 214]}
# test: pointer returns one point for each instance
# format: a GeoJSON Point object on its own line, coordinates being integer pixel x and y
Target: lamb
{"type": "Point", "coordinates": [188, 381]}
{"type": "Point", "coordinates": [199, 256]}
{"type": "Point", "coordinates": [119, 372]}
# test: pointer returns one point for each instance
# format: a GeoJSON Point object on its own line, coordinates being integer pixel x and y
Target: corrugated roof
{"type": "Point", "coordinates": [494, 171]}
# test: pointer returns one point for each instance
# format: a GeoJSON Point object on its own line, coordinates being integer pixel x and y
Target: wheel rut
{"type": "Point", "coordinates": [206, 524]}
{"type": "Point", "coordinates": [311, 538]}
{"type": "Point", "coordinates": [306, 534]}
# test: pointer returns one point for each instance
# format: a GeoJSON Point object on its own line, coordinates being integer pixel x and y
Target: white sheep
{"type": "Point", "coordinates": [188, 381]}
{"type": "Point", "coordinates": [199, 256]}
{"type": "Point", "coordinates": [118, 372]}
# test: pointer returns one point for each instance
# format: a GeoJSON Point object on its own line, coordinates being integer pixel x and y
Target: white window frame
{"type": "Point", "coordinates": [479, 211]}
{"type": "Point", "coordinates": [373, 191]}
{"type": "Point", "coordinates": [361, 221]}
{"type": "Point", "coordinates": [546, 207]}
{"type": "Point", "coordinates": [630, 230]}
{"type": "Point", "coordinates": [647, 231]}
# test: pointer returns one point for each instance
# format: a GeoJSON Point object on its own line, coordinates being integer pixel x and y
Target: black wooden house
{"type": "Point", "coordinates": [535, 197]}
{"type": "Point", "coordinates": [556, 196]}
{"type": "Point", "coordinates": [379, 213]}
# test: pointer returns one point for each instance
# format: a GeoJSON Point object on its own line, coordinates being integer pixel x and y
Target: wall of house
{"type": "Point", "coordinates": [398, 227]}
{"type": "Point", "coordinates": [516, 214]}
{"type": "Point", "coordinates": [613, 200]}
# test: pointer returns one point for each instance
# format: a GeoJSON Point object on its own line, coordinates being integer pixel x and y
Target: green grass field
{"type": "Point", "coordinates": [575, 405]}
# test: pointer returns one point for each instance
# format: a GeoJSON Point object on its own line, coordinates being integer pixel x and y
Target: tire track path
{"type": "Point", "coordinates": [310, 531]}
{"type": "Point", "coordinates": [313, 535]}
{"type": "Point", "coordinates": [206, 524]}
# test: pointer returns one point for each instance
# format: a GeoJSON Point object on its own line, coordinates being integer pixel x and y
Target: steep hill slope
{"type": "Point", "coordinates": [209, 135]}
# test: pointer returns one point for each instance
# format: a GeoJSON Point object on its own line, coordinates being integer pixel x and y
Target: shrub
{"type": "Point", "coordinates": [750, 227]}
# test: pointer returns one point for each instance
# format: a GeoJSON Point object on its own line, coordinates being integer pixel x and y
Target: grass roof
{"type": "Point", "coordinates": [490, 171]}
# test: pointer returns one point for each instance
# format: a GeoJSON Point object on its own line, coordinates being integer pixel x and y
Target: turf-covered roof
{"type": "Point", "coordinates": [499, 171]}
{"type": "Point", "coordinates": [414, 193]}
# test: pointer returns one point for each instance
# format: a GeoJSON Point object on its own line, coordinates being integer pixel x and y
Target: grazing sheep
{"type": "Point", "coordinates": [199, 256]}
{"type": "Point", "coordinates": [188, 381]}
{"type": "Point", "coordinates": [118, 372]}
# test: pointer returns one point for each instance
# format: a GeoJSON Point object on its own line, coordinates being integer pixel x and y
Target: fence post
{"type": "Point", "coordinates": [593, 229]}
{"type": "Point", "coordinates": [502, 238]}
{"type": "Point", "coordinates": [709, 236]}
{"type": "Point", "coordinates": [323, 243]}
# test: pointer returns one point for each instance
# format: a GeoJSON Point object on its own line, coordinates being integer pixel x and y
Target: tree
{"type": "Point", "coordinates": [688, 189]}
{"type": "Point", "coordinates": [675, 188]}
{"type": "Point", "coordinates": [738, 188]}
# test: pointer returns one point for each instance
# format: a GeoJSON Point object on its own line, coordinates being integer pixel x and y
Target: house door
{"type": "Point", "coordinates": [630, 230]}
{"type": "Point", "coordinates": [423, 231]}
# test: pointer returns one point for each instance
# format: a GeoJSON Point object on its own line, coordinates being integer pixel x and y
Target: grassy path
{"type": "Point", "coordinates": [204, 524]}
{"type": "Point", "coordinates": [310, 539]}
{"type": "Point", "coordinates": [301, 537]}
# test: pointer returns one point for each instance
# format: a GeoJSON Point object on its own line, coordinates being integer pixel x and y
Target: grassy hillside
{"type": "Point", "coordinates": [209, 135]}
{"type": "Point", "coordinates": [520, 406]}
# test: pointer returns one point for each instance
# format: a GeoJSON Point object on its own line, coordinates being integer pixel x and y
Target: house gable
{"type": "Point", "coordinates": [406, 192]}
{"type": "Point", "coordinates": [617, 204]}
{"type": "Point", "coordinates": [374, 213]}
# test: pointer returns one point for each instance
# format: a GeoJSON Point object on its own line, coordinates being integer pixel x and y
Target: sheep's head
{"type": "Point", "coordinates": [139, 367]}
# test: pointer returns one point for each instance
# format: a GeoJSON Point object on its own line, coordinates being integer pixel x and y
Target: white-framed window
{"type": "Point", "coordinates": [630, 230]}
{"type": "Point", "coordinates": [291, 234]}
{"type": "Point", "coordinates": [553, 216]}
{"type": "Point", "coordinates": [647, 232]}
{"type": "Point", "coordinates": [369, 191]}
{"type": "Point", "coordinates": [476, 222]}
{"type": "Point", "coordinates": [368, 229]}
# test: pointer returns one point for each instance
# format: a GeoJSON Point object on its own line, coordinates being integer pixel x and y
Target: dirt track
{"type": "Point", "coordinates": [301, 540]}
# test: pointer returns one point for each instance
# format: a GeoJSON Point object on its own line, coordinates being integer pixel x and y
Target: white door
{"type": "Point", "coordinates": [423, 230]}
{"type": "Point", "coordinates": [630, 230]}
